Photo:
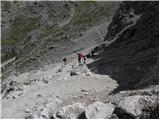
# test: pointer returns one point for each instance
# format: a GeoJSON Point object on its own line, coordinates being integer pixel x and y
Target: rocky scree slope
{"type": "Point", "coordinates": [115, 59]}
{"type": "Point", "coordinates": [39, 33]}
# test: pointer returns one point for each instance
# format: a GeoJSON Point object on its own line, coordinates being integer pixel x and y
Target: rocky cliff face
{"type": "Point", "coordinates": [132, 57]}
{"type": "Point", "coordinates": [125, 14]}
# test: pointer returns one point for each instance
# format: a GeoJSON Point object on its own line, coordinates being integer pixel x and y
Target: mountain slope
{"type": "Point", "coordinates": [126, 58]}
{"type": "Point", "coordinates": [44, 27]}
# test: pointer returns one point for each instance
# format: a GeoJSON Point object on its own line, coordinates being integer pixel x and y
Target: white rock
{"type": "Point", "coordinates": [85, 93]}
{"type": "Point", "coordinates": [50, 77]}
{"type": "Point", "coordinates": [74, 97]}
{"type": "Point", "coordinates": [97, 77]}
{"type": "Point", "coordinates": [57, 100]}
{"type": "Point", "coordinates": [88, 74]}
{"type": "Point", "coordinates": [27, 110]}
{"type": "Point", "coordinates": [81, 69]}
{"type": "Point", "coordinates": [70, 111]}
{"type": "Point", "coordinates": [65, 78]}
{"type": "Point", "coordinates": [94, 99]}
{"type": "Point", "coordinates": [135, 105]}
{"type": "Point", "coordinates": [99, 110]}
{"type": "Point", "coordinates": [130, 105]}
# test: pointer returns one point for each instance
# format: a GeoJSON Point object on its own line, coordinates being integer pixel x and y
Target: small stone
{"type": "Point", "coordinates": [27, 110]}
{"type": "Point", "coordinates": [50, 77]}
{"type": "Point", "coordinates": [81, 96]}
{"type": "Point", "coordinates": [84, 90]}
{"type": "Point", "coordinates": [74, 97]}
{"type": "Point", "coordinates": [14, 97]}
{"type": "Point", "coordinates": [39, 95]}
{"type": "Point", "coordinates": [94, 99]}
{"type": "Point", "coordinates": [88, 74]}
{"type": "Point", "coordinates": [85, 93]}
{"type": "Point", "coordinates": [65, 78]}
{"type": "Point", "coordinates": [51, 47]}
{"type": "Point", "coordinates": [97, 77]}
{"type": "Point", "coordinates": [57, 100]}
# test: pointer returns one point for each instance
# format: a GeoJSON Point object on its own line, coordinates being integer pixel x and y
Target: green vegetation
{"type": "Point", "coordinates": [18, 30]}
{"type": "Point", "coordinates": [86, 14]}
{"type": "Point", "coordinates": [17, 33]}
{"type": "Point", "coordinates": [8, 42]}
{"type": "Point", "coordinates": [91, 12]}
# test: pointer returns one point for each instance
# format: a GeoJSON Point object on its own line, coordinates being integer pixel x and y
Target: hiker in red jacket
{"type": "Point", "coordinates": [81, 56]}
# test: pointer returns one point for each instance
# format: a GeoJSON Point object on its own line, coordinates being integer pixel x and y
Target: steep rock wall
{"type": "Point", "coordinates": [132, 58]}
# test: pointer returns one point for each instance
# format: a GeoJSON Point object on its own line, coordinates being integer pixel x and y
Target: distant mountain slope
{"type": "Point", "coordinates": [34, 30]}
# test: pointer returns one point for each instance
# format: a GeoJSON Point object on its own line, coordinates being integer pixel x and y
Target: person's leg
{"type": "Point", "coordinates": [84, 60]}
{"type": "Point", "coordinates": [79, 60]}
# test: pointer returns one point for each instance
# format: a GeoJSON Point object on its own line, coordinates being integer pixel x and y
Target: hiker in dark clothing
{"type": "Point", "coordinates": [92, 53]}
{"type": "Point", "coordinates": [65, 61]}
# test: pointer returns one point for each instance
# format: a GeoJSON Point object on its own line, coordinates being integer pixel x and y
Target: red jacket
{"type": "Point", "coordinates": [80, 56]}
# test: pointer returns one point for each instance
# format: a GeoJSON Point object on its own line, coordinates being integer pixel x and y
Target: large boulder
{"type": "Point", "coordinates": [136, 106]}
{"type": "Point", "coordinates": [99, 110]}
{"type": "Point", "coordinates": [81, 69]}
{"type": "Point", "coordinates": [72, 111]}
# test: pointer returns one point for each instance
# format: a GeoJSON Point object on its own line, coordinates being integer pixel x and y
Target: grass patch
{"type": "Point", "coordinates": [55, 32]}
{"type": "Point", "coordinates": [8, 42]}
{"type": "Point", "coordinates": [90, 11]}
{"type": "Point", "coordinates": [19, 29]}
